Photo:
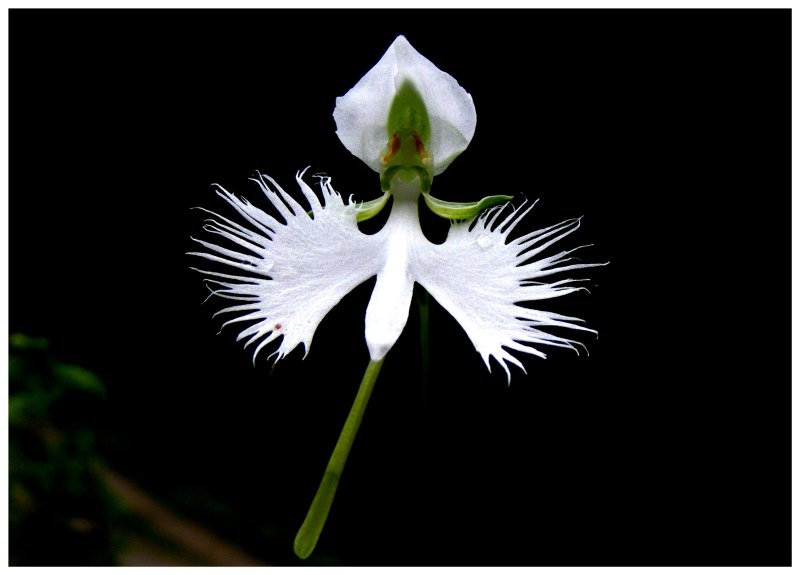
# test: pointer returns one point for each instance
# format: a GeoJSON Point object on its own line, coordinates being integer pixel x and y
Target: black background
{"type": "Point", "coordinates": [668, 130]}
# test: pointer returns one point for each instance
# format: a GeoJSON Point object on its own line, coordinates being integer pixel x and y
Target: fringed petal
{"type": "Point", "coordinates": [481, 278]}
{"type": "Point", "coordinates": [291, 273]}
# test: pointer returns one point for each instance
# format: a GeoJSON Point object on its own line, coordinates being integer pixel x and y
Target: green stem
{"type": "Point", "coordinates": [310, 530]}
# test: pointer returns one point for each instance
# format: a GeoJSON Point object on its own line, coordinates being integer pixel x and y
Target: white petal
{"type": "Point", "coordinates": [387, 312]}
{"type": "Point", "coordinates": [294, 272]}
{"type": "Point", "coordinates": [480, 277]}
{"type": "Point", "coordinates": [361, 114]}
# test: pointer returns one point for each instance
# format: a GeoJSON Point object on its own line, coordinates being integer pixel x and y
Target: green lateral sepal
{"type": "Point", "coordinates": [462, 210]}
{"type": "Point", "coordinates": [372, 208]}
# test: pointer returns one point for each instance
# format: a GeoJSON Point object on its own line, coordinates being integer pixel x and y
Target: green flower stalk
{"type": "Point", "coordinates": [407, 120]}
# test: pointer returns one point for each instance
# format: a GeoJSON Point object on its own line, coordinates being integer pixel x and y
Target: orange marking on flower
{"type": "Point", "coordinates": [420, 145]}
{"type": "Point", "coordinates": [394, 145]}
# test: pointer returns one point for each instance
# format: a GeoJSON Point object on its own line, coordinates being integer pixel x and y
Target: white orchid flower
{"type": "Point", "coordinates": [407, 120]}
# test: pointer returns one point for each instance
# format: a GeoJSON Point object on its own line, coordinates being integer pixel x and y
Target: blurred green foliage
{"type": "Point", "coordinates": [59, 512]}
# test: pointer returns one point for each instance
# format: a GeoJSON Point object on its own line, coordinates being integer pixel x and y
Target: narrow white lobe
{"type": "Point", "coordinates": [387, 312]}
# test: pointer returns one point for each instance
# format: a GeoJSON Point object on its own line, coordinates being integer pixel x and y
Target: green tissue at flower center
{"type": "Point", "coordinates": [409, 133]}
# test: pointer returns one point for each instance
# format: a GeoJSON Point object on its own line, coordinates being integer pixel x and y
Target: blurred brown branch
{"type": "Point", "coordinates": [183, 542]}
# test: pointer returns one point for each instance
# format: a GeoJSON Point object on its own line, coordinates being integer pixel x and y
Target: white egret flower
{"type": "Point", "coordinates": [407, 120]}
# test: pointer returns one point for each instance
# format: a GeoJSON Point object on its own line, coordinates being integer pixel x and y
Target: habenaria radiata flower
{"type": "Point", "coordinates": [407, 120]}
